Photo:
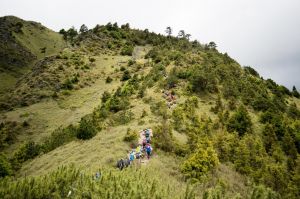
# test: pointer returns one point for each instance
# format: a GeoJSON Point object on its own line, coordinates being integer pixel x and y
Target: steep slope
{"type": "Point", "coordinates": [23, 42]}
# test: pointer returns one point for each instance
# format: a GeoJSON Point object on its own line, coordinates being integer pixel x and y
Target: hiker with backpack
{"type": "Point", "coordinates": [120, 164]}
{"type": "Point", "coordinates": [147, 135]}
{"type": "Point", "coordinates": [131, 156]}
{"type": "Point", "coordinates": [148, 151]}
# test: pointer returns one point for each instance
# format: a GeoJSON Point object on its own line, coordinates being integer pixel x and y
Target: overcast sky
{"type": "Point", "coordinates": [264, 34]}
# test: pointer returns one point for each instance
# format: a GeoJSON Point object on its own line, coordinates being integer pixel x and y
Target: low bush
{"type": "Point", "coordinates": [240, 122]}
{"type": "Point", "coordinates": [5, 166]}
{"type": "Point", "coordinates": [86, 129]}
{"type": "Point", "coordinates": [163, 137]}
{"type": "Point", "coordinates": [201, 161]}
{"type": "Point", "coordinates": [108, 80]}
{"type": "Point", "coordinates": [127, 50]}
{"type": "Point", "coordinates": [126, 76]}
{"type": "Point", "coordinates": [27, 151]}
{"type": "Point", "coordinates": [59, 137]}
{"type": "Point", "coordinates": [122, 117]}
{"type": "Point", "coordinates": [71, 182]}
{"type": "Point", "coordinates": [130, 136]}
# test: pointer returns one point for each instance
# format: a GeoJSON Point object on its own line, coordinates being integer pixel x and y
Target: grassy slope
{"type": "Point", "coordinates": [50, 114]}
{"type": "Point", "coordinates": [33, 37]}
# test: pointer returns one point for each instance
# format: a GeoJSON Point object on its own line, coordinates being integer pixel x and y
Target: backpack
{"type": "Point", "coordinates": [147, 134]}
{"type": "Point", "coordinates": [148, 140]}
{"type": "Point", "coordinates": [138, 155]}
{"type": "Point", "coordinates": [148, 149]}
{"type": "Point", "coordinates": [131, 156]}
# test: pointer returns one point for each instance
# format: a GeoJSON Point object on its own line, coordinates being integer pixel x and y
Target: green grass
{"type": "Point", "coordinates": [7, 81]}
{"type": "Point", "coordinates": [50, 114]}
{"type": "Point", "coordinates": [35, 37]}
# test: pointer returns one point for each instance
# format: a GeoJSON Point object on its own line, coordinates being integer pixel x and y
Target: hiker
{"type": "Point", "coordinates": [120, 164]}
{"type": "Point", "coordinates": [148, 140]}
{"type": "Point", "coordinates": [148, 151]}
{"type": "Point", "coordinates": [144, 143]}
{"type": "Point", "coordinates": [126, 162]}
{"type": "Point", "coordinates": [138, 149]}
{"type": "Point", "coordinates": [147, 133]}
{"type": "Point", "coordinates": [131, 156]}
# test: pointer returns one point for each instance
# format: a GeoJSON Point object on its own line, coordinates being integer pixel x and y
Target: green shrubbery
{"type": "Point", "coordinates": [59, 137]}
{"type": "Point", "coordinates": [131, 136]}
{"type": "Point", "coordinates": [5, 166]}
{"type": "Point", "coordinates": [8, 133]}
{"type": "Point", "coordinates": [86, 129]}
{"type": "Point", "coordinates": [108, 80]}
{"type": "Point", "coordinates": [122, 117]}
{"type": "Point", "coordinates": [127, 50]}
{"type": "Point", "coordinates": [163, 138]}
{"type": "Point", "coordinates": [126, 75]}
{"type": "Point", "coordinates": [240, 122]}
{"type": "Point", "coordinates": [74, 183]}
{"type": "Point", "coordinates": [201, 161]}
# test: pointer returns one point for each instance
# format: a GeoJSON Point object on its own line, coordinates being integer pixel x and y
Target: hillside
{"type": "Point", "coordinates": [219, 129]}
{"type": "Point", "coordinates": [24, 42]}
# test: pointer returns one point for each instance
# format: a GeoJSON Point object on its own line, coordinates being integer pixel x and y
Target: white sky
{"type": "Point", "coordinates": [264, 34]}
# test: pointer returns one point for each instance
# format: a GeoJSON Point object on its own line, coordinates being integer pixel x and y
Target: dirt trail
{"type": "Point", "coordinates": [142, 137]}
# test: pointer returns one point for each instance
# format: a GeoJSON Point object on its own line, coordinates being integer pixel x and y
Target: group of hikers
{"type": "Point", "coordinates": [143, 149]}
{"type": "Point", "coordinates": [170, 98]}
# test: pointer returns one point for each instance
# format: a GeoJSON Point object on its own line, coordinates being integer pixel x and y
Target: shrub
{"type": "Point", "coordinates": [201, 161]}
{"type": "Point", "coordinates": [79, 184]}
{"type": "Point", "coordinates": [198, 82]}
{"type": "Point", "coordinates": [130, 136]}
{"type": "Point", "coordinates": [68, 84]}
{"type": "Point", "coordinates": [295, 92]}
{"type": "Point", "coordinates": [261, 103]}
{"type": "Point", "coordinates": [122, 68]}
{"type": "Point", "coordinates": [251, 71]}
{"type": "Point", "coordinates": [116, 104]}
{"type": "Point", "coordinates": [142, 92]}
{"type": "Point", "coordinates": [131, 62]}
{"type": "Point", "coordinates": [171, 80]}
{"type": "Point", "coordinates": [126, 76]}
{"type": "Point", "coordinates": [127, 50]}
{"type": "Point", "coordinates": [8, 132]}
{"type": "Point", "coordinates": [5, 167]}
{"type": "Point", "coordinates": [108, 80]}
{"type": "Point", "coordinates": [240, 122]}
{"type": "Point", "coordinates": [92, 59]}
{"type": "Point", "coordinates": [261, 191]}
{"type": "Point", "coordinates": [163, 137]}
{"type": "Point", "coordinates": [249, 155]}
{"type": "Point", "coordinates": [122, 117]}
{"type": "Point", "coordinates": [105, 97]}
{"type": "Point", "coordinates": [159, 109]}
{"type": "Point", "coordinates": [293, 111]}
{"type": "Point", "coordinates": [86, 129]}
{"type": "Point", "coordinates": [27, 151]}
{"type": "Point", "coordinates": [58, 138]}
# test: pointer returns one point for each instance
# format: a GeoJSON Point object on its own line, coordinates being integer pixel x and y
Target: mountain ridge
{"type": "Point", "coordinates": [217, 125]}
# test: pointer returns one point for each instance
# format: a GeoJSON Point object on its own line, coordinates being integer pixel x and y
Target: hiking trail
{"type": "Point", "coordinates": [144, 161]}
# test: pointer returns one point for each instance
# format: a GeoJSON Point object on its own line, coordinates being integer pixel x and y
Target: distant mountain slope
{"type": "Point", "coordinates": [22, 43]}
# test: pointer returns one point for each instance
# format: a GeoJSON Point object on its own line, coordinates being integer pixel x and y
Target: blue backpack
{"type": "Point", "coordinates": [148, 149]}
{"type": "Point", "coordinates": [131, 157]}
